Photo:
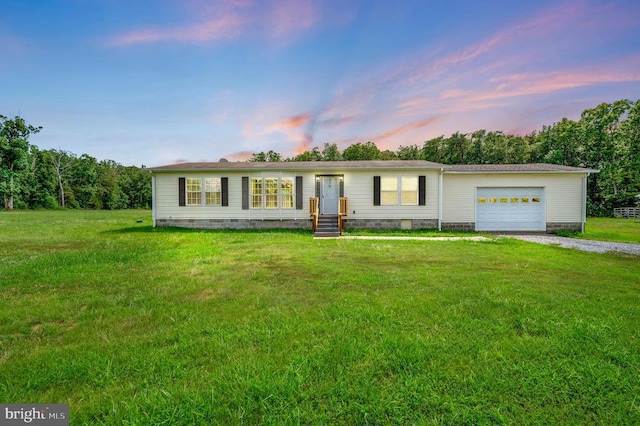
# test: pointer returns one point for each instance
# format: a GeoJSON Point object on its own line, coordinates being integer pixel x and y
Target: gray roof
{"type": "Point", "coordinates": [302, 165]}
{"type": "Point", "coordinates": [517, 168]}
{"type": "Point", "coordinates": [391, 164]}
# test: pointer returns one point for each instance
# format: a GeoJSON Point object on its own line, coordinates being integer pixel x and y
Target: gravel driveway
{"type": "Point", "coordinates": [584, 245]}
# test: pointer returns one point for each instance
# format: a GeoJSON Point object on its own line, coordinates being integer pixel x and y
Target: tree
{"type": "Point", "coordinates": [14, 155]}
{"type": "Point", "coordinates": [433, 150]}
{"type": "Point", "coordinates": [361, 152]}
{"type": "Point", "coordinates": [331, 152]}
{"type": "Point", "coordinates": [456, 149]}
{"type": "Point", "coordinates": [260, 157]}
{"type": "Point", "coordinates": [411, 152]}
{"type": "Point", "coordinates": [61, 163]}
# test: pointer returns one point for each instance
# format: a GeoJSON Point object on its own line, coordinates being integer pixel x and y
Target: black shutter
{"type": "Point", "coordinates": [245, 192]}
{"type": "Point", "coordinates": [376, 190]}
{"type": "Point", "coordinates": [422, 190]}
{"type": "Point", "coordinates": [298, 193]}
{"type": "Point", "coordinates": [224, 187]}
{"type": "Point", "coordinates": [182, 191]}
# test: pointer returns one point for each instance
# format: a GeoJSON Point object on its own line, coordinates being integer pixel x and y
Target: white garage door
{"type": "Point", "coordinates": [510, 209]}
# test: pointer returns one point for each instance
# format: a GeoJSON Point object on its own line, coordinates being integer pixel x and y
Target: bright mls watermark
{"type": "Point", "coordinates": [34, 414]}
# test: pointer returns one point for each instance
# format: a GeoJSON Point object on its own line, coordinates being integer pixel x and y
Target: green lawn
{"type": "Point", "coordinates": [608, 229]}
{"type": "Point", "coordinates": [134, 325]}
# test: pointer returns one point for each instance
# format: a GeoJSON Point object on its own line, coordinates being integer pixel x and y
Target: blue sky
{"type": "Point", "coordinates": [163, 81]}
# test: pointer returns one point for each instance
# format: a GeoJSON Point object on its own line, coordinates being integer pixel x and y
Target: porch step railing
{"type": "Point", "coordinates": [329, 221]}
{"type": "Point", "coordinates": [343, 211]}
{"type": "Point", "coordinates": [314, 212]}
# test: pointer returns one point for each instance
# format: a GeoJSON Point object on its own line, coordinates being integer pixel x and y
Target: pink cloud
{"type": "Point", "coordinates": [229, 20]}
{"type": "Point", "coordinates": [221, 28]}
{"type": "Point", "coordinates": [292, 122]}
{"type": "Point", "coordinates": [238, 156]}
{"type": "Point", "coordinates": [525, 84]}
{"type": "Point", "coordinates": [405, 128]}
{"type": "Point", "coordinates": [290, 17]}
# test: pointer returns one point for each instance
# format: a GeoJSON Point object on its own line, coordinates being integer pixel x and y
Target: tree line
{"type": "Point", "coordinates": [31, 178]}
{"type": "Point", "coordinates": [606, 138]}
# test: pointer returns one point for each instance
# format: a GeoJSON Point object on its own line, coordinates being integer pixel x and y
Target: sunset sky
{"type": "Point", "coordinates": [163, 81]}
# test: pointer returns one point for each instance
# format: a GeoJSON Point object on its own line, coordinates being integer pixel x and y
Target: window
{"type": "Point", "coordinates": [256, 193]}
{"type": "Point", "coordinates": [273, 191]}
{"type": "Point", "coordinates": [493, 200]}
{"type": "Point", "coordinates": [535, 200]}
{"type": "Point", "coordinates": [524, 200]}
{"type": "Point", "coordinates": [514, 199]}
{"type": "Point", "coordinates": [503, 199]}
{"type": "Point", "coordinates": [194, 192]}
{"type": "Point", "coordinates": [213, 191]}
{"type": "Point", "coordinates": [409, 190]}
{"type": "Point", "coordinates": [286, 191]}
{"type": "Point", "coordinates": [389, 191]}
{"type": "Point", "coordinates": [482, 200]}
{"type": "Point", "coordinates": [403, 189]}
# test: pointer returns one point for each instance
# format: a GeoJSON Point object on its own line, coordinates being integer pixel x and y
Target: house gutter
{"type": "Point", "coordinates": [440, 199]}
{"type": "Point", "coordinates": [584, 201]}
{"type": "Point", "coordinates": [153, 199]}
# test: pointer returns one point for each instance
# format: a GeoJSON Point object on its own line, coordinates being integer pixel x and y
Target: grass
{"type": "Point", "coordinates": [608, 229]}
{"type": "Point", "coordinates": [134, 325]}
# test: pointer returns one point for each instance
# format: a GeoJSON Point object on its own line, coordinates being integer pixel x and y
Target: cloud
{"type": "Point", "coordinates": [230, 20]}
{"type": "Point", "coordinates": [290, 17]}
{"type": "Point", "coordinates": [405, 128]}
{"type": "Point", "coordinates": [527, 84]}
{"type": "Point", "coordinates": [238, 156]}
{"type": "Point", "coordinates": [292, 122]}
{"type": "Point", "coordinates": [227, 23]}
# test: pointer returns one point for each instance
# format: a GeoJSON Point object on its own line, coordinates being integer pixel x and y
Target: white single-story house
{"type": "Point", "coordinates": [329, 195]}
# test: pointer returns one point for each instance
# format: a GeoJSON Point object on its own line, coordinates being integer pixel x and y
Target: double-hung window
{"type": "Point", "coordinates": [389, 191]}
{"type": "Point", "coordinates": [256, 193]}
{"type": "Point", "coordinates": [213, 191]}
{"type": "Point", "coordinates": [409, 190]}
{"type": "Point", "coordinates": [399, 190]}
{"type": "Point", "coordinates": [272, 192]}
{"type": "Point", "coordinates": [287, 192]}
{"type": "Point", "coordinates": [194, 191]}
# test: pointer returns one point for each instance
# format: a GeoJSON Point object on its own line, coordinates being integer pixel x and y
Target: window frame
{"type": "Point", "coordinates": [272, 193]}
{"type": "Point", "coordinates": [413, 192]}
{"type": "Point", "coordinates": [389, 191]}
{"type": "Point", "coordinates": [256, 198]}
{"type": "Point", "coordinates": [288, 192]}
{"type": "Point", "coordinates": [191, 194]}
{"type": "Point", "coordinates": [393, 192]}
{"type": "Point", "coordinates": [216, 183]}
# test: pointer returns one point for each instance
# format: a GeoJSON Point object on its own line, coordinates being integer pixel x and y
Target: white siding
{"type": "Point", "coordinates": [167, 198]}
{"type": "Point", "coordinates": [358, 188]}
{"type": "Point", "coordinates": [563, 194]}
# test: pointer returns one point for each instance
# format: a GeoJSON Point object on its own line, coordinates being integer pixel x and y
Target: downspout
{"type": "Point", "coordinates": [440, 199]}
{"type": "Point", "coordinates": [153, 199]}
{"type": "Point", "coordinates": [584, 201]}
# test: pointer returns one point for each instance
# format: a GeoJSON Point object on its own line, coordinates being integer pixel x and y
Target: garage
{"type": "Point", "coordinates": [510, 209]}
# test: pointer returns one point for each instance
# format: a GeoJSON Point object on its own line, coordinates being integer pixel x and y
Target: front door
{"type": "Point", "coordinates": [329, 195]}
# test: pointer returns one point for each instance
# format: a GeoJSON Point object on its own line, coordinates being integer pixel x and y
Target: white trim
{"type": "Point", "coordinates": [440, 199]}
{"type": "Point", "coordinates": [584, 202]}
{"type": "Point", "coordinates": [154, 199]}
